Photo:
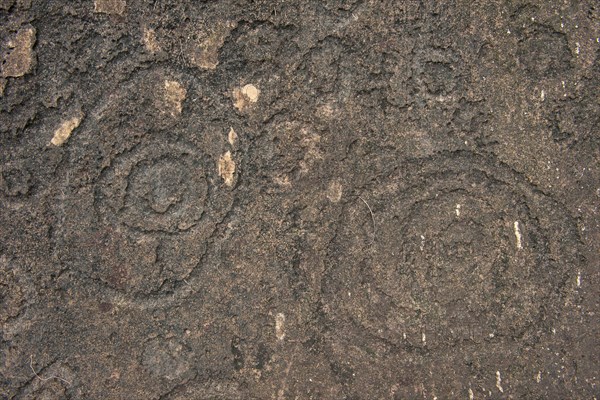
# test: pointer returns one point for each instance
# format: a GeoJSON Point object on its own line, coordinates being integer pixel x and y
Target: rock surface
{"type": "Point", "coordinates": [299, 199]}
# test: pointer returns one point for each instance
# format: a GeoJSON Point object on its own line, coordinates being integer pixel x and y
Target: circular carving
{"type": "Point", "coordinates": [149, 199]}
{"type": "Point", "coordinates": [157, 208]}
{"type": "Point", "coordinates": [464, 248]}
{"type": "Point", "coordinates": [157, 188]}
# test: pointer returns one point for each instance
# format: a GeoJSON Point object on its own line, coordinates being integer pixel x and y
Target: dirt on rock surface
{"type": "Point", "coordinates": [343, 199]}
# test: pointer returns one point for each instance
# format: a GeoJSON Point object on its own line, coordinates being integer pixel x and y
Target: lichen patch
{"type": "Point", "coordinates": [204, 52]}
{"type": "Point", "coordinates": [334, 191]}
{"type": "Point", "coordinates": [62, 134]}
{"type": "Point", "coordinates": [518, 235]}
{"type": "Point", "coordinates": [226, 168]}
{"type": "Point", "coordinates": [282, 180]}
{"type": "Point", "coordinates": [232, 137]}
{"type": "Point", "coordinates": [20, 59]}
{"type": "Point", "coordinates": [174, 96]}
{"type": "Point", "coordinates": [245, 96]}
{"type": "Point", "coordinates": [116, 7]}
{"type": "Point", "coordinates": [149, 40]}
{"type": "Point", "coordinates": [280, 326]}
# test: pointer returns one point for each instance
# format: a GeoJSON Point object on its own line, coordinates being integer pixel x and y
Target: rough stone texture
{"type": "Point", "coordinates": [300, 199]}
